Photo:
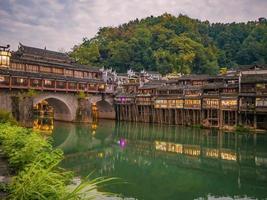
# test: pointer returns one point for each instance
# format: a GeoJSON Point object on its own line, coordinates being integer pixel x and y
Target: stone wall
{"type": "Point", "coordinates": [105, 110]}
{"type": "Point", "coordinates": [5, 101]}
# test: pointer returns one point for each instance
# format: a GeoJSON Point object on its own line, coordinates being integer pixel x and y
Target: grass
{"type": "Point", "coordinates": [36, 167]}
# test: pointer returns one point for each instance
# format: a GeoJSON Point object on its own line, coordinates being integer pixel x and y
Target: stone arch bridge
{"type": "Point", "coordinates": [67, 105]}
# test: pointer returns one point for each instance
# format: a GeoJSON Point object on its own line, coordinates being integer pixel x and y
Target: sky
{"type": "Point", "coordinates": [60, 24]}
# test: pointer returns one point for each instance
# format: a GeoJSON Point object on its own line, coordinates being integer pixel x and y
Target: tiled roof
{"type": "Point", "coordinates": [254, 78]}
{"type": "Point", "coordinates": [36, 56]}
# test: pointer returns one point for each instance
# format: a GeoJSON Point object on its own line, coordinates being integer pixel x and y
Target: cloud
{"type": "Point", "coordinates": [59, 24]}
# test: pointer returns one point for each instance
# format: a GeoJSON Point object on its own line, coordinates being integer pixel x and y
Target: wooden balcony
{"type": "Point", "coordinates": [144, 99]}
{"type": "Point", "coordinates": [229, 104]}
{"type": "Point", "coordinates": [210, 103]}
{"type": "Point", "coordinates": [44, 84]}
{"type": "Point", "coordinates": [192, 104]}
{"type": "Point", "coordinates": [124, 100]}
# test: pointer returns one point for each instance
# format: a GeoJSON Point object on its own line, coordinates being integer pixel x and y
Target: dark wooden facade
{"type": "Point", "coordinates": [219, 101]}
{"type": "Point", "coordinates": [41, 69]}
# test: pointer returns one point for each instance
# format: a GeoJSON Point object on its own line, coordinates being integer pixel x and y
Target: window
{"type": "Point", "coordinates": [82, 86]}
{"type": "Point", "coordinates": [161, 103]}
{"type": "Point", "coordinates": [261, 102]}
{"type": "Point", "coordinates": [20, 80]}
{"type": "Point", "coordinates": [4, 58]}
{"type": "Point", "coordinates": [32, 68]}
{"type": "Point", "coordinates": [102, 87]}
{"type": "Point", "coordinates": [192, 102]}
{"type": "Point", "coordinates": [36, 83]}
{"type": "Point", "coordinates": [58, 70]}
{"type": "Point", "coordinates": [18, 66]}
{"type": "Point", "coordinates": [72, 85]}
{"type": "Point", "coordinates": [68, 72]}
{"type": "Point", "coordinates": [229, 102]}
{"type": "Point", "coordinates": [92, 87]}
{"type": "Point", "coordinates": [4, 80]}
{"type": "Point", "coordinates": [179, 103]}
{"type": "Point", "coordinates": [78, 74]}
{"type": "Point", "coordinates": [211, 103]}
{"type": "Point", "coordinates": [45, 69]}
{"type": "Point", "coordinates": [60, 84]}
{"type": "Point", "coordinates": [47, 82]}
{"type": "Point", "coordinates": [171, 103]}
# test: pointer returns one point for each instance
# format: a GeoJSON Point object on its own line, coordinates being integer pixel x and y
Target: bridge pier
{"type": "Point", "coordinates": [83, 111]}
{"type": "Point", "coordinates": [22, 110]}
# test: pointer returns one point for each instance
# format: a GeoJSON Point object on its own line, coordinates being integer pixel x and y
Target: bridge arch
{"type": "Point", "coordinates": [104, 106]}
{"type": "Point", "coordinates": [105, 109]}
{"type": "Point", "coordinates": [65, 106]}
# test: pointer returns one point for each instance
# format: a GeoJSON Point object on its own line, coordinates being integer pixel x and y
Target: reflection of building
{"type": "Point", "coordinates": [213, 151]}
{"type": "Point", "coordinates": [44, 124]}
{"type": "Point", "coordinates": [43, 109]}
{"type": "Point", "coordinates": [44, 117]}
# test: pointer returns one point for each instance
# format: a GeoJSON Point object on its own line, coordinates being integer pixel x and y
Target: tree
{"type": "Point", "coordinates": [167, 43]}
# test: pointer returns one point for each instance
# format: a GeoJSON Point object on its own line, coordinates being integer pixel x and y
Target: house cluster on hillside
{"type": "Point", "coordinates": [116, 81]}
{"type": "Point", "coordinates": [238, 97]}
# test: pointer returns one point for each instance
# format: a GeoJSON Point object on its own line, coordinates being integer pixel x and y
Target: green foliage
{"type": "Point", "coordinates": [81, 95]}
{"type": "Point", "coordinates": [7, 117]}
{"type": "Point", "coordinates": [223, 70]}
{"type": "Point", "coordinates": [22, 145]}
{"type": "Point", "coordinates": [168, 43]}
{"type": "Point", "coordinates": [38, 182]}
{"type": "Point", "coordinates": [84, 52]}
{"type": "Point", "coordinates": [37, 165]}
{"type": "Point", "coordinates": [31, 93]}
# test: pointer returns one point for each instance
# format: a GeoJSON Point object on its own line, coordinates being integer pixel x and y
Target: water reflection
{"type": "Point", "coordinates": [163, 162]}
{"type": "Point", "coordinates": [43, 117]}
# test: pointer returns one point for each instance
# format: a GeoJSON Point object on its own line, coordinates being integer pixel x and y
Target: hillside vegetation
{"type": "Point", "coordinates": [181, 44]}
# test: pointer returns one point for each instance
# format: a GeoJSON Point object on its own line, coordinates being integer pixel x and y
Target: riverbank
{"type": "Point", "coordinates": [35, 164]}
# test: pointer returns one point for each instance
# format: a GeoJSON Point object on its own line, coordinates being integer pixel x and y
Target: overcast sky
{"type": "Point", "coordinates": [59, 24]}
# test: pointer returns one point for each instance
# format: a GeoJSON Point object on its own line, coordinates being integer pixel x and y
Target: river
{"type": "Point", "coordinates": [167, 162]}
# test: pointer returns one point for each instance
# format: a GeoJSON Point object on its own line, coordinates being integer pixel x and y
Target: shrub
{"type": "Point", "coordinates": [31, 93]}
{"type": "Point", "coordinates": [37, 165]}
{"type": "Point", "coordinates": [81, 95]}
{"type": "Point", "coordinates": [6, 117]}
{"type": "Point", "coordinates": [36, 182]}
{"type": "Point", "coordinates": [21, 145]}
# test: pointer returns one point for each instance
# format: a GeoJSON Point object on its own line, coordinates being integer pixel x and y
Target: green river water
{"type": "Point", "coordinates": [167, 162]}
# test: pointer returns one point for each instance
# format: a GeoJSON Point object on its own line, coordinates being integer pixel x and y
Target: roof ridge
{"type": "Point", "coordinates": [45, 50]}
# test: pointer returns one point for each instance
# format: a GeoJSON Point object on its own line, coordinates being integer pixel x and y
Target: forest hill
{"type": "Point", "coordinates": [232, 100]}
{"type": "Point", "coordinates": [168, 43]}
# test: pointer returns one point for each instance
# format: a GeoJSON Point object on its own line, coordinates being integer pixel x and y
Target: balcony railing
{"type": "Point", "coordinates": [48, 84]}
